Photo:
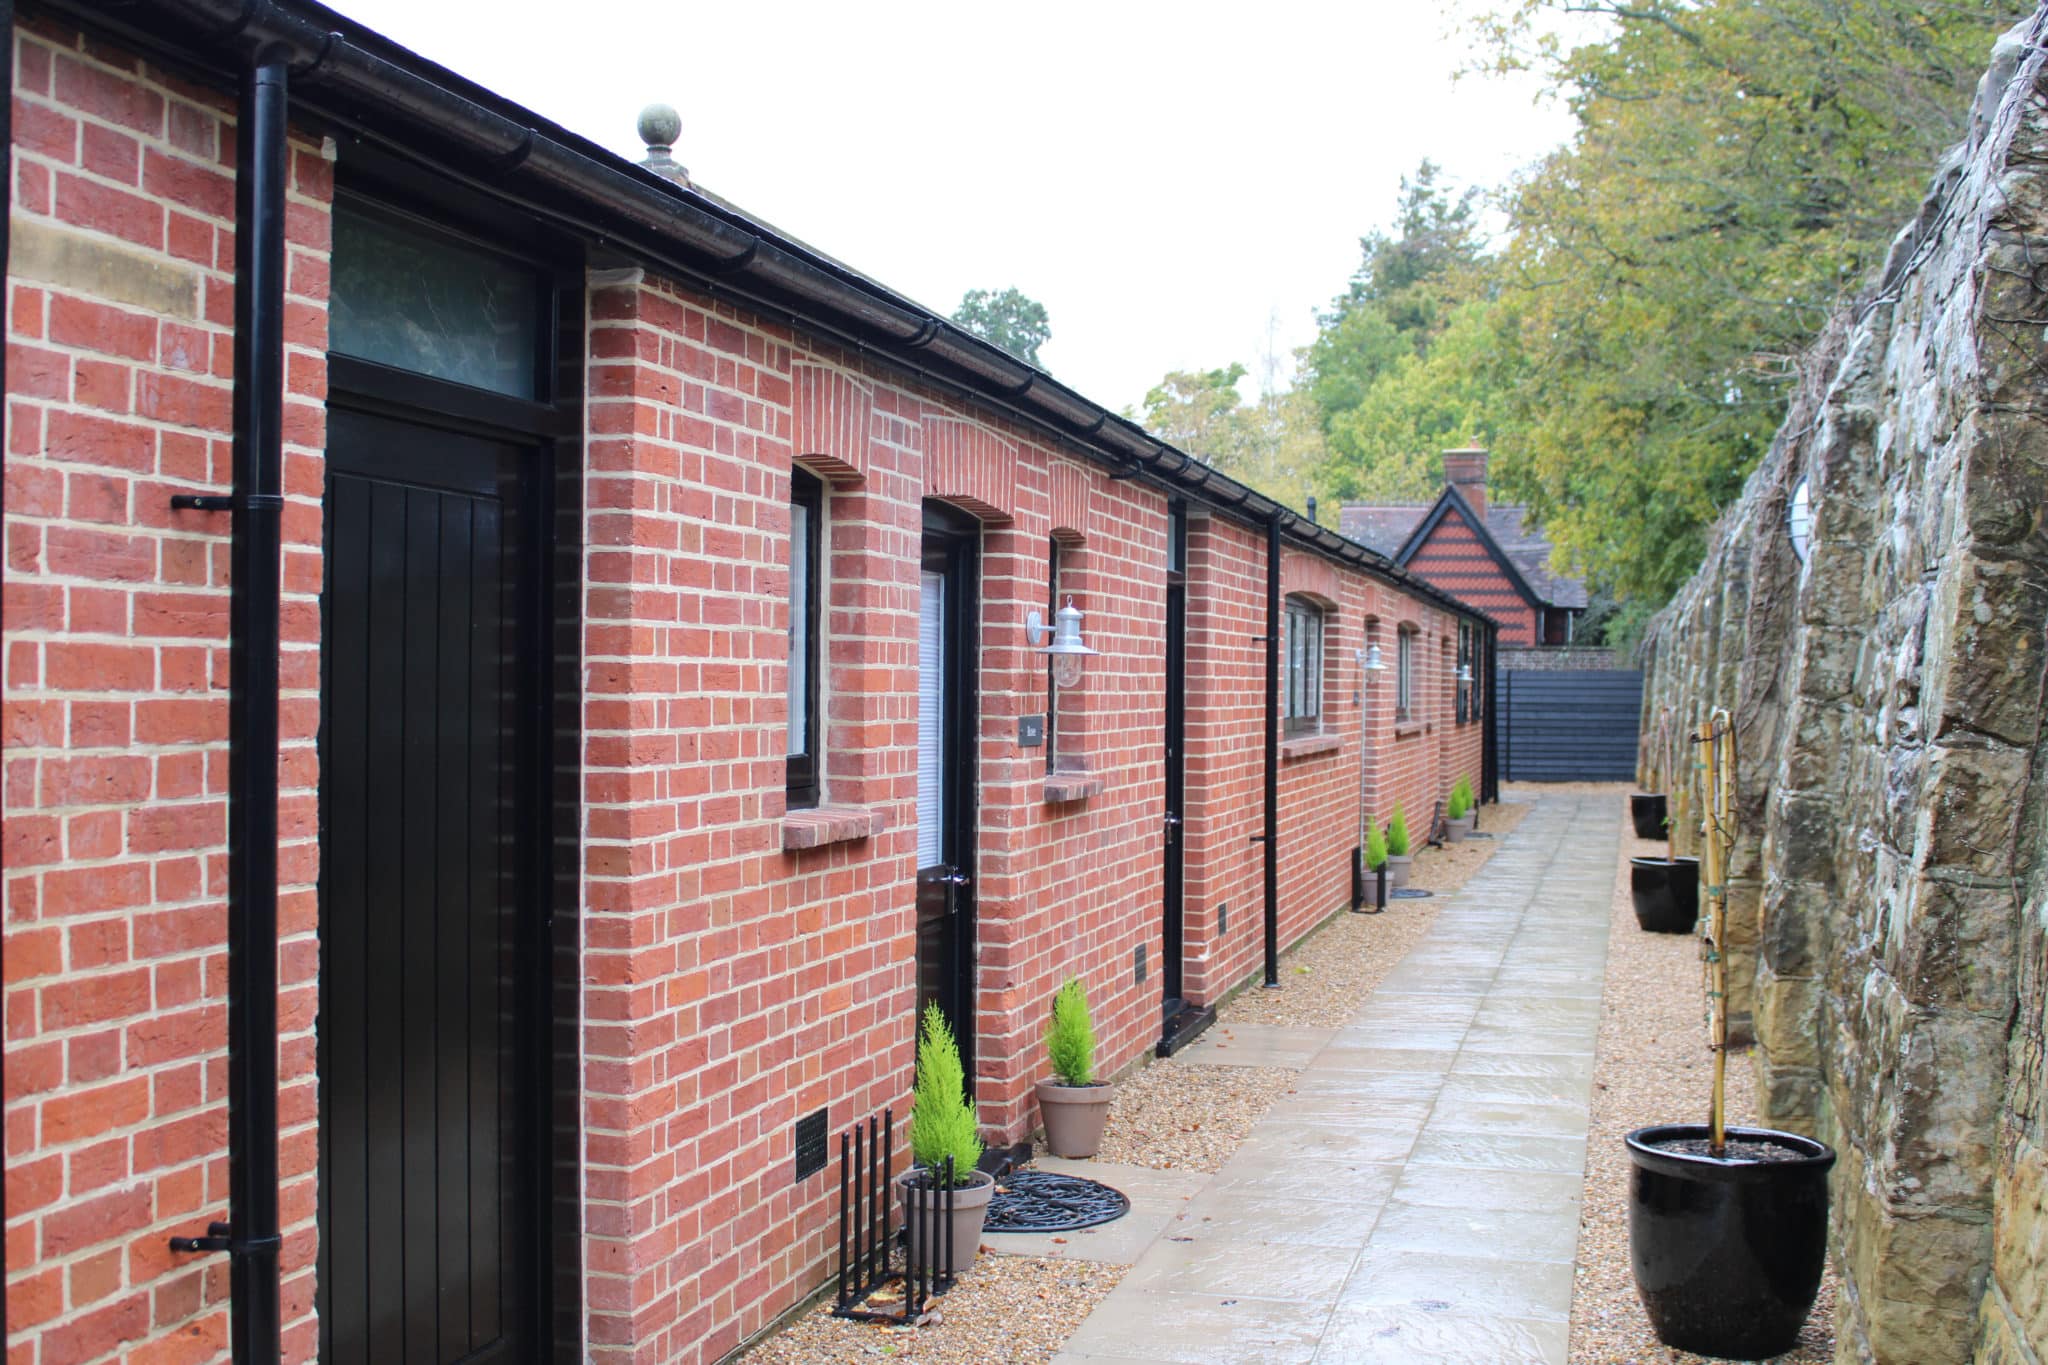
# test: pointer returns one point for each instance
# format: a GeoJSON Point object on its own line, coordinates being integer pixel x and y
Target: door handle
{"type": "Point", "coordinates": [957, 879]}
{"type": "Point", "coordinates": [1172, 821]}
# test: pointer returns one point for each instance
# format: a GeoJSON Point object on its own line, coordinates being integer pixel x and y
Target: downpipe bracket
{"type": "Point", "coordinates": [227, 502]}
{"type": "Point", "coordinates": [220, 1237]}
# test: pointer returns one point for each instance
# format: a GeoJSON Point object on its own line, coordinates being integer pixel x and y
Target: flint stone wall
{"type": "Point", "coordinates": [1889, 890]}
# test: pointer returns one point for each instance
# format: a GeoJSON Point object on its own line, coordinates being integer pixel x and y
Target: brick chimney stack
{"type": "Point", "coordinates": [1465, 470]}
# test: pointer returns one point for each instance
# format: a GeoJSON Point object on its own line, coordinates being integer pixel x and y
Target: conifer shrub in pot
{"type": "Point", "coordinates": [1398, 855]}
{"type": "Point", "coordinates": [1375, 861]}
{"type": "Point", "coordinates": [1458, 816]}
{"type": "Point", "coordinates": [1727, 1226]}
{"type": "Point", "coordinates": [943, 1124]}
{"type": "Point", "coordinates": [1073, 1104]}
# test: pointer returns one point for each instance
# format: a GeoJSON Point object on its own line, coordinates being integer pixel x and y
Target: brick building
{"type": "Point", "coordinates": [1482, 551]}
{"type": "Point", "coordinates": [636, 605]}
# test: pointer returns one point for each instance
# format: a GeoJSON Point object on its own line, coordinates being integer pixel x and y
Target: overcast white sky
{"type": "Point", "coordinates": [1176, 183]}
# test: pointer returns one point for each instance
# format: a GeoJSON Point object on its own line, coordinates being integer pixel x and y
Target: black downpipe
{"type": "Point", "coordinates": [1272, 718]}
{"type": "Point", "coordinates": [260, 150]}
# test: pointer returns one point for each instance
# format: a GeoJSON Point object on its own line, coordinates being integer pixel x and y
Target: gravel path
{"type": "Point", "coordinates": [1653, 1067]}
{"type": "Point", "coordinates": [1008, 1310]}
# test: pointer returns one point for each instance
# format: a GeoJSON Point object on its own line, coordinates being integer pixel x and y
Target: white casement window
{"type": "Point", "coordinates": [1303, 646]}
{"type": "Point", "coordinates": [1404, 675]}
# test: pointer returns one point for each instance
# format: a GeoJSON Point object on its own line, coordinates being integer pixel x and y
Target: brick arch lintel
{"type": "Point", "coordinates": [831, 415]}
{"type": "Point", "coordinates": [969, 465]}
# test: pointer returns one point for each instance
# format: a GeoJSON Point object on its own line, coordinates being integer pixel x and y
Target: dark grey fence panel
{"type": "Point", "coordinates": [1577, 726]}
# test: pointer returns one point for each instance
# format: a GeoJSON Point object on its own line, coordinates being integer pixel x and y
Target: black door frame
{"type": "Point", "coordinates": [951, 545]}
{"type": "Point", "coordinates": [550, 425]}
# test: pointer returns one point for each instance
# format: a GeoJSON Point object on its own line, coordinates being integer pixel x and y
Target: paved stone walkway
{"type": "Point", "coordinates": [1417, 1198]}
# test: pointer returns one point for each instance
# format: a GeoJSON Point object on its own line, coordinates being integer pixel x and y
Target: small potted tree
{"type": "Point", "coordinates": [1074, 1105]}
{"type": "Point", "coordinates": [1375, 860]}
{"type": "Point", "coordinates": [1458, 816]}
{"type": "Point", "coordinates": [943, 1124]}
{"type": "Point", "coordinates": [1649, 812]}
{"type": "Point", "coordinates": [1727, 1226]}
{"type": "Point", "coordinates": [1398, 854]}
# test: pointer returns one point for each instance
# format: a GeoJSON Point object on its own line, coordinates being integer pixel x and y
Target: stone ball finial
{"type": "Point", "coordinates": [660, 126]}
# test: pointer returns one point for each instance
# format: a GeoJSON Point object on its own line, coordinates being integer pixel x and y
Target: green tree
{"type": "Point", "coordinates": [1738, 169]}
{"type": "Point", "coordinates": [1399, 298]}
{"type": "Point", "coordinates": [1009, 319]}
{"type": "Point", "coordinates": [1274, 443]}
{"type": "Point", "coordinates": [1459, 392]}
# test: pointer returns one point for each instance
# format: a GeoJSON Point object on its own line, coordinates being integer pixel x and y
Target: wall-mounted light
{"type": "Point", "coordinates": [1066, 649]}
{"type": "Point", "coordinates": [1369, 659]}
{"type": "Point", "coordinates": [1464, 673]}
{"type": "Point", "coordinates": [1799, 520]}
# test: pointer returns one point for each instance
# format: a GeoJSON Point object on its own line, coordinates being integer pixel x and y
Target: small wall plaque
{"type": "Point", "coordinates": [1030, 731]}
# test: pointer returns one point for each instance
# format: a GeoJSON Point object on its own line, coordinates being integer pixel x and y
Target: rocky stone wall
{"type": "Point", "coordinates": [1889, 893]}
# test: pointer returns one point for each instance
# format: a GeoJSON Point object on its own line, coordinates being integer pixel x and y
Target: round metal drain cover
{"type": "Point", "coordinates": [1408, 893]}
{"type": "Point", "coordinates": [1042, 1201]}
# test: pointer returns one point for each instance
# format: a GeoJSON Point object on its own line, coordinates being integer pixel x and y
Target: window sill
{"type": "Point", "coordinates": [817, 826]}
{"type": "Point", "coordinates": [1064, 787]}
{"type": "Point", "coordinates": [1305, 746]}
{"type": "Point", "coordinates": [1407, 729]}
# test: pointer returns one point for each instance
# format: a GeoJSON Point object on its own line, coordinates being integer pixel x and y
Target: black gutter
{"type": "Point", "coordinates": [251, 1236]}
{"type": "Point", "coordinates": [362, 81]}
{"type": "Point", "coordinates": [1271, 838]}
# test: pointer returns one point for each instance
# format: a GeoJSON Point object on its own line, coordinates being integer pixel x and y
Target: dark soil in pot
{"type": "Point", "coordinates": [1665, 893]}
{"type": "Point", "coordinates": [1647, 810]}
{"type": "Point", "coordinates": [1728, 1252]}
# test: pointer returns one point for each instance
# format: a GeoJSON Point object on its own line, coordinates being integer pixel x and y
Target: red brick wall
{"type": "Point", "coordinates": [1413, 762]}
{"type": "Point", "coordinates": [1454, 560]}
{"type": "Point", "coordinates": [730, 986]}
{"type": "Point", "coordinates": [119, 359]}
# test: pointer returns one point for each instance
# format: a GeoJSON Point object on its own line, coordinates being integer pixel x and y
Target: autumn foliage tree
{"type": "Point", "coordinates": [1738, 170]}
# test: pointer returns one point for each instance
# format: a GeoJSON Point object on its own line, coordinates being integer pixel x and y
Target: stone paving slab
{"type": "Point", "coordinates": [1256, 1045]}
{"type": "Point", "coordinates": [1416, 1199]}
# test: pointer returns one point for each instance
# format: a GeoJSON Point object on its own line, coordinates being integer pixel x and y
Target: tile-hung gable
{"type": "Point", "coordinates": [1480, 551]}
{"type": "Point", "coordinates": [657, 724]}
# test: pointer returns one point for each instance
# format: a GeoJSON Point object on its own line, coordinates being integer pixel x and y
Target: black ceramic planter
{"type": "Point", "coordinates": [1665, 892]}
{"type": "Point", "coordinates": [1728, 1254]}
{"type": "Point", "coordinates": [1647, 811]}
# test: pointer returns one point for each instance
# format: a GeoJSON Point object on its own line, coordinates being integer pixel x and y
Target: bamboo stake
{"type": "Point", "coordinates": [1717, 774]}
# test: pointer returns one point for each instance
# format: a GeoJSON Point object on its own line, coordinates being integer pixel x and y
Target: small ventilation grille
{"type": "Point", "coordinates": [1222, 919]}
{"type": "Point", "coordinates": [1141, 962]}
{"type": "Point", "coordinates": [810, 1145]}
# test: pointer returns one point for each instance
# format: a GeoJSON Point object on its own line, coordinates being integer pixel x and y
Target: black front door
{"type": "Point", "coordinates": [431, 662]}
{"type": "Point", "coordinates": [946, 754]}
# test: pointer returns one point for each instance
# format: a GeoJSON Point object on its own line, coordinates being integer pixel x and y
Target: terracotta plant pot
{"type": "Point", "coordinates": [1074, 1116]}
{"type": "Point", "coordinates": [1456, 830]}
{"type": "Point", "coordinates": [970, 1207]}
{"type": "Point", "coordinates": [1647, 811]}
{"type": "Point", "coordinates": [1727, 1253]}
{"type": "Point", "coordinates": [1397, 870]}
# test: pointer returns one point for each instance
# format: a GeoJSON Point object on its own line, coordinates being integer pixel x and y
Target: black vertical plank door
{"type": "Point", "coordinates": [429, 659]}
